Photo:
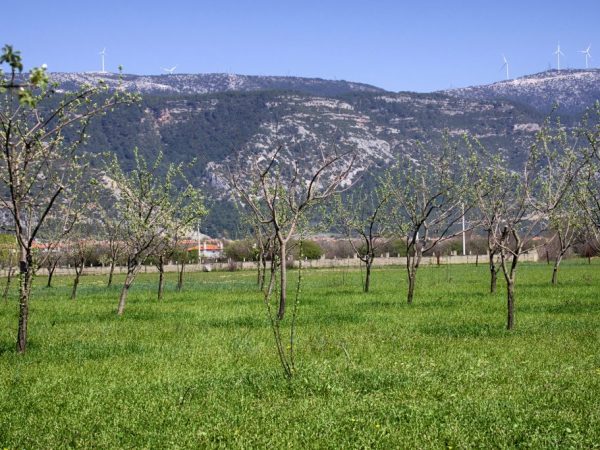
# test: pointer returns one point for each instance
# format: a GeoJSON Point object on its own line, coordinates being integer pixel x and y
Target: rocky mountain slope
{"type": "Point", "coordinates": [226, 130]}
{"type": "Point", "coordinates": [224, 121]}
{"type": "Point", "coordinates": [571, 90]}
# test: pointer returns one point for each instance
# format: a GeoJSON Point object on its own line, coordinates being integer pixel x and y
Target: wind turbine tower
{"type": "Point", "coordinates": [586, 52]}
{"type": "Point", "coordinates": [558, 53]}
{"type": "Point", "coordinates": [505, 66]}
{"type": "Point", "coordinates": [102, 53]}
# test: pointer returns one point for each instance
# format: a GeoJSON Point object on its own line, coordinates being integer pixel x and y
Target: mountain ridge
{"type": "Point", "coordinates": [567, 91]}
{"type": "Point", "coordinates": [210, 83]}
{"type": "Point", "coordinates": [222, 121]}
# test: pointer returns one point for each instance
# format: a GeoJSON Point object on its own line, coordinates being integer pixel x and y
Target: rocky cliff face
{"type": "Point", "coordinates": [571, 91]}
{"type": "Point", "coordinates": [223, 122]}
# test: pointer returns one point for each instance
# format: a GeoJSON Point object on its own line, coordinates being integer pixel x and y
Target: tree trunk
{"type": "Point", "coordinates": [51, 269]}
{"type": "Point", "coordinates": [180, 276]}
{"type": "Point", "coordinates": [161, 277]}
{"type": "Point", "coordinates": [111, 272]}
{"type": "Point", "coordinates": [510, 275]}
{"type": "Point", "coordinates": [510, 303]}
{"type": "Point", "coordinates": [24, 294]}
{"type": "Point", "coordinates": [412, 265]}
{"type": "Point", "coordinates": [493, 274]}
{"type": "Point", "coordinates": [411, 286]}
{"type": "Point", "coordinates": [368, 264]}
{"type": "Point", "coordinates": [555, 269]}
{"type": "Point", "coordinates": [411, 268]}
{"type": "Point", "coordinates": [283, 280]}
{"type": "Point", "coordinates": [131, 272]}
{"type": "Point", "coordinates": [78, 271]}
{"type": "Point", "coordinates": [50, 274]}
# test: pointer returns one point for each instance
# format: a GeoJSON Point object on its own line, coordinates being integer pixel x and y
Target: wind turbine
{"type": "Point", "coordinates": [505, 65]}
{"type": "Point", "coordinates": [102, 53]}
{"type": "Point", "coordinates": [558, 53]}
{"type": "Point", "coordinates": [171, 70]}
{"type": "Point", "coordinates": [586, 52]}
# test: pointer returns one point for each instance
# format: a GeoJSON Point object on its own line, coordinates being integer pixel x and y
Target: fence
{"type": "Point", "coordinates": [317, 263]}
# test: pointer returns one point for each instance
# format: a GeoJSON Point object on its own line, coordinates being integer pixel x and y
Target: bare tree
{"type": "Point", "coordinates": [553, 190]}
{"type": "Point", "coordinates": [151, 207]}
{"type": "Point", "coordinates": [164, 250]}
{"type": "Point", "coordinates": [588, 187]}
{"type": "Point", "coordinates": [53, 234]}
{"type": "Point", "coordinates": [429, 197]}
{"type": "Point", "coordinates": [41, 131]}
{"type": "Point", "coordinates": [262, 243]}
{"type": "Point", "coordinates": [493, 195]}
{"type": "Point", "coordinates": [536, 194]}
{"type": "Point", "coordinates": [112, 233]}
{"type": "Point", "coordinates": [170, 249]}
{"type": "Point", "coordinates": [80, 251]}
{"type": "Point", "coordinates": [363, 214]}
{"type": "Point", "coordinates": [280, 195]}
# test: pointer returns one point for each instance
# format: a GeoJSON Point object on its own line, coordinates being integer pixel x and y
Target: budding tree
{"type": "Point", "coordinates": [493, 191]}
{"type": "Point", "coordinates": [429, 197]}
{"type": "Point", "coordinates": [151, 208]}
{"type": "Point", "coordinates": [41, 132]}
{"type": "Point", "coordinates": [535, 194]}
{"type": "Point", "coordinates": [280, 192]}
{"type": "Point", "coordinates": [588, 187]}
{"type": "Point", "coordinates": [363, 214]}
{"type": "Point", "coordinates": [554, 189]}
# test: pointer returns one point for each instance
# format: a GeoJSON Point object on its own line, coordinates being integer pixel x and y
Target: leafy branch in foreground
{"type": "Point", "coordinates": [41, 132]}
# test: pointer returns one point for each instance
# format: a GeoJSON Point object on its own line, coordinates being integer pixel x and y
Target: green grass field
{"type": "Point", "coordinates": [200, 369]}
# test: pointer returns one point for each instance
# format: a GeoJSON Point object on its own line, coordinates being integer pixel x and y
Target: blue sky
{"type": "Point", "coordinates": [397, 45]}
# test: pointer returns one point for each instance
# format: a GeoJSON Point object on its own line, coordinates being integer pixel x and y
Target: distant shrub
{"type": "Point", "coordinates": [242, 250]}
{"type": "Point", "coordinates": [310, 250]}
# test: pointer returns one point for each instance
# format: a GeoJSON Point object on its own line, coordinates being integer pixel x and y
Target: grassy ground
{"type": "Point", "coordinates": [200, 370]}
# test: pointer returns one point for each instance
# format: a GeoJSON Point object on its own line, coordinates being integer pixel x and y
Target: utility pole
{"type": "Point", "coordinates": [464, 238]}
{"type": "Point", "coordinates": [198, 236]}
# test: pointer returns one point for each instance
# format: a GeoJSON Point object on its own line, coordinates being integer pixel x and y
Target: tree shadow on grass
{"type": "Point", "coordinates": [575, 306]}
{"type": "Point", "coordinates": [336, 318]}
{"type": "Point", "coordinates": [377, 304]}
{"type": "Point", "coordinates": [466, 330]}
{"type": "Point", "coordinates": [7, 347]}
{"type": "Point", "coordinates": [235, 323]}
